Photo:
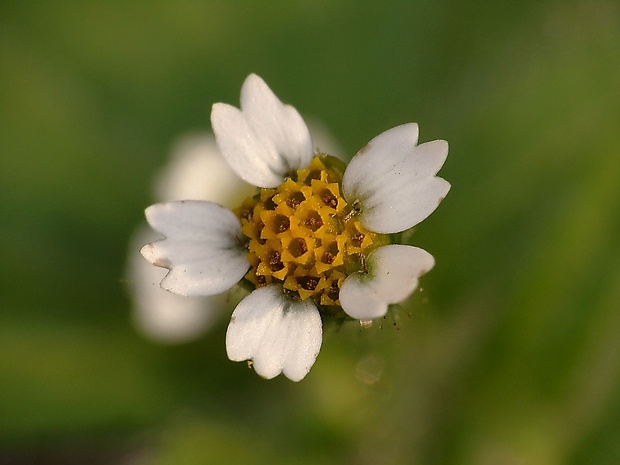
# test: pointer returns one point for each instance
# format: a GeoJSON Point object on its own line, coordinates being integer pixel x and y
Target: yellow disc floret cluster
{"type": "Point", "coordinates": [304, 235]}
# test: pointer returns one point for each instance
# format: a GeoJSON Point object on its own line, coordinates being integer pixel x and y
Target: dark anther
{"type": "Point", "coordinates": [329, 199]}
{"type": "Point", "coordinates": [314, 174]}
{"type": "Point", "coordinates": [308, 283]}
{"type": "Point", "coordinates": [313, 222]}
{"type": "Point", "coordinates": [297, 247]}
{"type": "Point", "coordinates": [280, 224]}
{"type": "Point", "coordinates": [259, 228]}
{"type": "Point", "coordinates": [295, 199]}
{"type": "Point", "coordinates": [357, 239]}
{"type": "Point", "coordinates": [261, 279]}
{"type": "Point", "coordinates": [274, 261]}
{"type": "Point", "coordinates": [270, 204]}
{"type": "Point", "coordinates": [330, 254]}
{"type": "Point", "coordinates": [334, 291]}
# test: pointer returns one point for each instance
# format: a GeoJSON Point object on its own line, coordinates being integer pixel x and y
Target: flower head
{"type": "Point", "coordinates": [313, 241]}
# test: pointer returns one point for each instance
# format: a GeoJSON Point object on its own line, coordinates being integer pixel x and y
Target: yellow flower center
{"type": "Point", "coordinates": [304, 235]}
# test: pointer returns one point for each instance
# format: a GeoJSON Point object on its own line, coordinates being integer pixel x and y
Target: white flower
{"type": "Point", "coordinates": [196, 171]}
{"type": "Point", "coordinates": [313, 241]}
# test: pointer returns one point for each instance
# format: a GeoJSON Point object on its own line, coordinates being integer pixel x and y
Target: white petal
{"type": "Point", "coordinates": [394, 180]}
{"type": "Point", "coordinates": [393, 272]}
{"type": "Point", "coordinates": [264, 140]}
{"type": "Point", "coordinates": [198, 171]}
{"type": "Point", "coordinates": [201, 247]}
{"type": "Point", "coordinates": [279, 334]}
{"type": "Point", "coordinates": [161, 315]}
{"type": "Point", "coordinates": [252, 157]}
{"type": "Point", "coordinates": [280, 123]}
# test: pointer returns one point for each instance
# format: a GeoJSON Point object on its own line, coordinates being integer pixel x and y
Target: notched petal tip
{"type": "Point", "coordinates": [431, 156]}
{"type": "Point", "coordinates": [151, 211]}
{"type": "Point", "coordinates": [150, 253]}
{"type": "Point", "coordinates": [253, 85]}
{"type": "Point", "coordinates": [446, 186]}
{"type": "Point", "coordinates": [277, 334]}
{"type": "Point", "coordinates": [200, 247]}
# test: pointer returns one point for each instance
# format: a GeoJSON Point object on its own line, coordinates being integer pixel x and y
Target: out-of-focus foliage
{"type": "Point", "coordinates": [510, 354]}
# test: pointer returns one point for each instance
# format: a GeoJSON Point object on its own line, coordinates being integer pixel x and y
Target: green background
{"type": "Point", "coordinates": [509, 355]}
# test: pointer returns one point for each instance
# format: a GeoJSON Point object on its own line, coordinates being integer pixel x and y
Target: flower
{"type": "Point", "coordinates": [314, 240]}
{"type": "Point", "coordinates": [196, 171]}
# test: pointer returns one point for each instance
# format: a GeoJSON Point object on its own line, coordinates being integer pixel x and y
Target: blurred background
{"type": "Point", "coordinates": [509, 355]}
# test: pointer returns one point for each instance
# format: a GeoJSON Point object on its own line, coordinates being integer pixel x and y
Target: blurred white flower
{"type": "Point", "coordinates": [312, 242]}
{"type": "Point", "coordinates": [196, 171]}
